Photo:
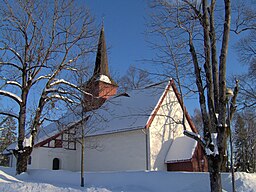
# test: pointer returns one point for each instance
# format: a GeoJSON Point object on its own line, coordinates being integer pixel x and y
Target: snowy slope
{"type": "Point", "coordinates": [65, 181]}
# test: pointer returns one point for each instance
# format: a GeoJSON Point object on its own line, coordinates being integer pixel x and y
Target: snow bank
{"type": "Point", "coordinates": [134, 181]}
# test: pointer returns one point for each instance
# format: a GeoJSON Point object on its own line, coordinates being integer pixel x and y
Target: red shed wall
{"type": "Point", "coordinates": [198, 163]}
{"type": "Point", "coordinates": [180, 166]}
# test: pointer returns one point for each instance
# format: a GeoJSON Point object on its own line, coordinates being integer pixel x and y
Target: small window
{"type": "Point", "coordinates": [52, 143]}
{"type": "Point", "coordinates": [55, 164]}
{"type": "Point", "coordinates": [71, 145]}
{"type": "Point", "coordinates": [58, 143]}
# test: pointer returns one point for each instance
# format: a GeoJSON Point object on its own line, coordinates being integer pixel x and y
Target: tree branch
{"type": "Point", "coordinates": [15, 53]}
{"type": "Point", "coordinates": [11, 96]}
{"type": "Point", "coordinates": [11, 64]}
{"type": "Point", "coordinates": [233, 100]}
{"type": "Point", "coordinates": [9, 114]}
{"type": "Point", "coordinates": [15, 83]}
{"type": "Point", "coordinates": [196, 137]}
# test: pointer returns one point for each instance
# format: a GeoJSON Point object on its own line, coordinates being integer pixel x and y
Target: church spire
{"type": "Point", "coordinates": [101, 85]}
{"type": "Point", "coordinates": [101, 71]}
{"type": "Point", "coordinates": [101, 63]}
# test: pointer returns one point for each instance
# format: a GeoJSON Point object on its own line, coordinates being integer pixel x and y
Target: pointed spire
{"type": "Point", "coordinates": [101, 84]}
{"type": "Point", "coordinates": [101, 64]}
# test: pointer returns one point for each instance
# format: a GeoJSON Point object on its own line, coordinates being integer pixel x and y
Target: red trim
{"type": "Point", "coordinates": [40, 144]}
{"type": "Point", "coordinates": [172, 84]}
{"type": "Point", "coordinates": [158, 106]}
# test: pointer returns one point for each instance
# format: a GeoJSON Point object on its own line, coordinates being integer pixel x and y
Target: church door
{"type": "Point", "coordinates": [56, 164]}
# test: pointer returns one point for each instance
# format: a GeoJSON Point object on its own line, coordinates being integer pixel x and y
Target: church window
{"type": "Point", "coordinates": [69, 139]}
{"type": "Point", "coordinates": [58, 143]}
{"type": "Point", "coordinates": [55, 164]}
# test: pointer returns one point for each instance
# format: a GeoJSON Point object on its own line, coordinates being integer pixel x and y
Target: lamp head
{"type": "Point", "coordinates": [229, 92]}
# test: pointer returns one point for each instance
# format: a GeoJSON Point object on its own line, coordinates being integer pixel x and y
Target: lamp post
{"type": "Point", "coordinates": [82, 148]}
{"type": "Point", "coordinates": [229, 94]}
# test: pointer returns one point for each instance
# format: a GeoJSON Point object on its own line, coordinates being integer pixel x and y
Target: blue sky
{"type": "Point", "coordinates": [124, 23]}
{"type": "Point", "coordinates": [125, 26]}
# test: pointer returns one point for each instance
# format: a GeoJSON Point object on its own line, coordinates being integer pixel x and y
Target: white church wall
{"type": "Point", "coordinates": [43, 158]}
{"type": "Point", "coordinates": [116, 152]}
{"type": "Point", "coordinates": [12, 161]}
{"type": "Point", "coordinates": [165, 127]}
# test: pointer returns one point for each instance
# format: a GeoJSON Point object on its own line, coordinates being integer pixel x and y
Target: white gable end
{"type": "Point", "coordinates": [165, 128]}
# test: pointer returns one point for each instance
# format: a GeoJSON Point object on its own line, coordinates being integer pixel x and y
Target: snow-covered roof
{"type": "Point", "coordinates": [117, 114]}
{"type": "Point", "coordinates": [68, 120]}
{"type": "Point", "coordinates": [10, 147]}
{"type": "Point", "coordinates": [182, 149]}
{"type": "Point", "coordinates": [127, 113]}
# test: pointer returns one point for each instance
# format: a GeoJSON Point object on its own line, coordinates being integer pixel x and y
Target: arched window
{"type": "Point", "coordinates": [55, 164]}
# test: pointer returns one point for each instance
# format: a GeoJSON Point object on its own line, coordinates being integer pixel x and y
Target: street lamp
{"type": "Point", "coordinates": [229, 94]}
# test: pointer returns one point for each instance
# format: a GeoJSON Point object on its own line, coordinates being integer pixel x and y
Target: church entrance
{"type": "Point", "coordinates": [55, 164]}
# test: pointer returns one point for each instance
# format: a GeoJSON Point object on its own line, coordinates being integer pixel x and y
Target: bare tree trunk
{"type": "Point", "coordinates": [215, 71]}
{"type": "Point", "coordinates": [214, 171]}
{"type": "Point", "coordinates": [23, 152]}
{"type": "Point", "coordinates": [208, 67]}
{"type": "Point", "coordinates": [222, 130]}
{"type": "Point", "coordinates": [22, 159]}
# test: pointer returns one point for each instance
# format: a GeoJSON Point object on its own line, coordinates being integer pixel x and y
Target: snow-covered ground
{"type": "Point", "coordinates": [138, 181]}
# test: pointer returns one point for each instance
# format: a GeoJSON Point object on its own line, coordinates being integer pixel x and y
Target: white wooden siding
{"type": "Point", "coordinates": [116, 152]}
{"type": "Point", "coordinates": [165, 127]}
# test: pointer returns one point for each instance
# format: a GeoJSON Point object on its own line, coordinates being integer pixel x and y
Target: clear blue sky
{"type": "Point", "coordinates": [125, 25]}
{"type": "Point", "coordinates": [124, 22]}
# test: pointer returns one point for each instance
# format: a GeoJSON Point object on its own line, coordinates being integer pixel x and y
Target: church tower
{"type": "Point", "coordinates": [101, 85]}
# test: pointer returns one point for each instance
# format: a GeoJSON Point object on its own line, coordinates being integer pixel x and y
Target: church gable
{"type": "Point", "coordinates": [165, 125]}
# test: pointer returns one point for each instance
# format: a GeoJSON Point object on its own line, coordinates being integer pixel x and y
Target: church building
{"type": "Point", "coordinates": [139, 130]}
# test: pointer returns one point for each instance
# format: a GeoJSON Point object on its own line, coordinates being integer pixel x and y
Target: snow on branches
{"type": "Point", "coordinates": [60, 97]}
{"type": "Point", "coordinates": [208, 150]}
{"type": "Point", "coordinates": [11, 96]}
{"type": "Point", "coordinates": [14, 83]}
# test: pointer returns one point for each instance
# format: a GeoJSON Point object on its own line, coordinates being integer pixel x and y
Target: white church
{"type": "Point", "coordinates": [140, 130]}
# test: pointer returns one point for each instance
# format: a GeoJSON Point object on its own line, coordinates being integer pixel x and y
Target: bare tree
{"type": "Point", "coordinates": [245, 26]}
{"type": "Point", "coordinates": [41, 43]}
{"type": "Point", "coordinates": [134, 78]}
{"type": "Point", "coordinates": [189, 32]}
